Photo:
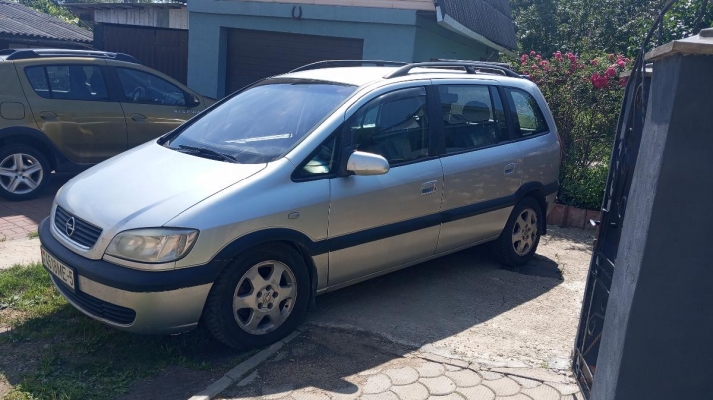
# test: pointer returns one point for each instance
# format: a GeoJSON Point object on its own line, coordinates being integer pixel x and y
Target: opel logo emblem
{"type": "Point", "coordinates": [69, 226]}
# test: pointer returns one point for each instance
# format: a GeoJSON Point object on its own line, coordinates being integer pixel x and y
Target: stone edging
{"type": "Point", "coordinates": [572, 217]}
{"type": "Point", "coordinates": [241, 369]}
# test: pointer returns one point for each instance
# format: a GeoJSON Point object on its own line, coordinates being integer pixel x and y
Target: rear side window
{"type": "Point", "coordinates": [142, 87]}
{"type": "Point", "coordinates": [68, 82]}
{"type": "Point", "coordinates": [527, 115]}
{"type": "Point", "coordinates": [471, 117]}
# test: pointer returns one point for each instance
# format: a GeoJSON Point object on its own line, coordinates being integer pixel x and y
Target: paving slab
{"type": "Point", "coordinates": [329, 364]}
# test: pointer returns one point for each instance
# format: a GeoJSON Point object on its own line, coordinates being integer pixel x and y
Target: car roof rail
{"type": "Point", "coordinates": [470, 67]}
{"type": "Point", "coordinates": [349, 63]}
{"type": "Point", "coordinates": [24, 54]}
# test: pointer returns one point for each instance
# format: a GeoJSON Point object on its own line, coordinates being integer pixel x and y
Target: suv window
{"type": "Point", "coordinates": [142, 87]}
{"type": "Point", "coordinates": [68, 82]}
{"type": "Point", "coordinates": [394, 125]}
{"type": "Point", "coordinates": [527, 115]}
{"type": "Point", "coordinates": [469, 119]}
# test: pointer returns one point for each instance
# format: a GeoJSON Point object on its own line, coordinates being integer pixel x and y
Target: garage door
{"type": "Point", "coordinates": [253, 55]}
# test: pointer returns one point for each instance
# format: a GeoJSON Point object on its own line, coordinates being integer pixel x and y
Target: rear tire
{"type": "Point", "coordinates": [519, 239]}
{"type": "Point", "coordinates": [260, 298]}
{"type": "Point", "coordinates": [24, 172]}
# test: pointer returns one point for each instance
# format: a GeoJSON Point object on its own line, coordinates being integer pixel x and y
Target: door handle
{"type": "Point", "coordinates": [428, 188]}
{"type": "Point", "coordinates": [49, 116]}
{"type": "Point", "coordinates": [138, 117]}
{"type": "Point", "coordinates": [510, 168]}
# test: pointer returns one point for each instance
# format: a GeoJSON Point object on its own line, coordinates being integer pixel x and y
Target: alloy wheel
{"type": "Point", "coordinates": [20, 173]}
{"type": "Point", "coordinates": [264, 297]}
{"type": "Point", "coordinates": [524, 232]}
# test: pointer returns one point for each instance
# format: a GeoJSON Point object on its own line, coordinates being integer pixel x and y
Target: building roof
{"type": "Point", "coordinates": [18, 20]}
{"type": "Point", "coordinates": [491, 19]}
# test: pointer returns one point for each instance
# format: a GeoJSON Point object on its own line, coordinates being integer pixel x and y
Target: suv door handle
{"type": "Point", "coordinates": [428, 188]}
{"type": "Point", "coordinates": [510, 168]}
{"type": "Point", "coordinates": [138, 117]}
{"type": "Point", "coordinates": [49, 116]}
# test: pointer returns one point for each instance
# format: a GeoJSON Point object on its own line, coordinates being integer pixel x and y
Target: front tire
{"type": "Point", "coordinates": [24, 172]}
{"type": "Point", "coordinates": [518, 241]}
{"type": "Point", "coordinates": [260, 298]}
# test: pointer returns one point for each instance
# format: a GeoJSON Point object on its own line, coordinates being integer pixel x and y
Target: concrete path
{"type": "Point", "coordinates": [326, 364]}
{"type": "Point", "coordinates": [20, 218]}
{"type": "Point", "coordinates": [19, 251]}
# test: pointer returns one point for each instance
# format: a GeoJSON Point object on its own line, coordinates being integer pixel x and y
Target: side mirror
{"type": "Point", "coordinates": [361, 163]}
{"type": "Point", "coordinates": [195, 101]}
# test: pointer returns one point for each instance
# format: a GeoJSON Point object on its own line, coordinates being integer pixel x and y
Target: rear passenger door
{"type": "Point", "coordinates": [481, 165]}
{"type": "Point", "coordinates": [72, 106]}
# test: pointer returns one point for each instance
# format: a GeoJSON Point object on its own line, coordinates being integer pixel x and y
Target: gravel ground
{"type": "Point", "coordinates": [19, 251]}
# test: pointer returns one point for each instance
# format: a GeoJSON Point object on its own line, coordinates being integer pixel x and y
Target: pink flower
{"type": "Point", "coordinates": [621, 63]}
{"type": "Point", "coordinates": [610, 72]}
{"type": "Point", "coordinates": [523, 58]}
{"type": "Point", "coordinates": [611, 56]}
{"type": "Point", "coordinates": [544, 62]}
{"type": "Point", "coordinates": [594, 62]}
{"type": "Point", "coordinates": [532, 53]}
{"type": "Point", "coordinates": [599, 81]}
{"type": "Point", "coordinates": [547, 68]}
{"type": "Point", "coordinates": [622, 82]}
{"type": "Point", "coordinates": [539, 57]}
{"type": "Point", "coordinates": [534, 66]}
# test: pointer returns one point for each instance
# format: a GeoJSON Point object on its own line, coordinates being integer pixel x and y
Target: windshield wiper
{"type": "Point", "coordinates": [207, 152]}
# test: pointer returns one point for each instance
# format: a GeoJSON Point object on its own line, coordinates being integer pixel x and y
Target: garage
{"type": "Point", "coordinates": [253, 55]}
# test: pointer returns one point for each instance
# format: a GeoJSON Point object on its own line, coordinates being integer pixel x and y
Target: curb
{"type": "Point", "coordinates": [241, 369]}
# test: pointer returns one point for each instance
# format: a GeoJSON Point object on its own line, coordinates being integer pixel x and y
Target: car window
{"type": "Point", "coordinates": [321, 162]}
{"type": "Point", "coordinates": [263, 122]}
{"type": "Point", "coordinates": [394, 125]}
{"type": "Point", "coordinates": [68, 82]}
{"type": "Point", "coordinates": [470, 121]}
{"type": "Point", "coordinates": [142, 87]}
{"type": "Point", "coordinates": [526, 113]}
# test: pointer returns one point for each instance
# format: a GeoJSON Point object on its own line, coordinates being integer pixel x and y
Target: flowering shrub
{"type": "Point", "coordinates": [585, 97]}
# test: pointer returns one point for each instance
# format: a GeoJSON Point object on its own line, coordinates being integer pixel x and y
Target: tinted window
{"type": "Point", "coordinates": [262, 123]}
{"type": "Point", "coordinates": [469, 119]}
{"type": "Point", "coordinates": [321, 162]}
{"type": "Point", "coordinates": [527, 114]}
{"type": "Point", "coordinates": [68, 82]}
{"type": "Point", "coordinates": [142, 87]}
{"type": "Point", "coordinates": [394, 126]}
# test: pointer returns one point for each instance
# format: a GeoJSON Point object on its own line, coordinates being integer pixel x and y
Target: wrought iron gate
{"type": "Point", "coordinates": [601, 270]}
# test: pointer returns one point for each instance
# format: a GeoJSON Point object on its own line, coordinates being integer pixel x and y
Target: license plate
{"type": "Point", "coordinates": [61, 271]}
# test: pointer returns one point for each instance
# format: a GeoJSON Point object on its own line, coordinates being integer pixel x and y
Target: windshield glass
{"type": "Point", "coordinates": [260, 124]}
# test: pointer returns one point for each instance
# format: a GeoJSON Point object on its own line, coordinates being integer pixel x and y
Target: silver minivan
{"type": "Point", "coordinates": [301, 184]}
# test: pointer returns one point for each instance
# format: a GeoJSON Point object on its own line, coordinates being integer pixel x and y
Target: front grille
{"type": "Point", "coordinates": [84, 234]}
{"type": "Point", "coordinates": [97, 307]}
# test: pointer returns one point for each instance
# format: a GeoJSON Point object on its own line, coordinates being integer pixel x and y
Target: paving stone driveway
{"type": "Point", "coordinates": [340, 365]}
{"type": "Point", "coordinates": [20, 218]}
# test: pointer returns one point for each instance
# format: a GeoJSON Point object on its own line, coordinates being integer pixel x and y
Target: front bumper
{"type": "Point", "coordinates": [157, 302]}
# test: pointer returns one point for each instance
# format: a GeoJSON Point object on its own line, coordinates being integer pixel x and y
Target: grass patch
{"type": "Point", "coordinates": [33, 235]}
{"type": "Point", "coordinates": [69, 355]}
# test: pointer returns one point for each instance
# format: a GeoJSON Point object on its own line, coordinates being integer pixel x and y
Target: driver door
{"type": "Point", "coordinates": [152, 105]}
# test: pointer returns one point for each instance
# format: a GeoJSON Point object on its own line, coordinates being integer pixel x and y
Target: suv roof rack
{"type": "Point", "coordinates": [24, 54]}
{"type": "Point", "coordinates": [349, 63]}
{"type": "Point", "coordinates": [470, 67]}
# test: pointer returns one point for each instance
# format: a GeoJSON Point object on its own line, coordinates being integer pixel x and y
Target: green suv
{"type": "Point", "coordinates": [66, 110]}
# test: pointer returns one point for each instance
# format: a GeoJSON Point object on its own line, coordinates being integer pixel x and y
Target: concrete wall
{"type": "Point", "coordinates": [434, 41]}
{"type": "Point", "coordinates": [388, 34]}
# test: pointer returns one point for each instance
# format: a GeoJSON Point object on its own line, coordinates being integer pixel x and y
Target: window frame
{"type": "Point", "coordinates": [338, 136]}
{"type": "Point", "coordinates": [121, 94]}
{"type": "Point", "coordinates": [111, 95]}
{"type": "Point", "coordinates": [514, 121]}
{"type": "Point", "coordinates": [348, 139]}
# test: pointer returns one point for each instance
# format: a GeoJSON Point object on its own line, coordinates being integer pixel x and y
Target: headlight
{"type": "Point", "coordinates": [156, 245]}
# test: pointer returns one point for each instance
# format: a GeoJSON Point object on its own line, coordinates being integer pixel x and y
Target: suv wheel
{"type": "Point", "coordinates": [518, 241]}
{"type": "Point", "coordinates": [24, 172]}
{"type": "Point", "coordinates": [260, 298]}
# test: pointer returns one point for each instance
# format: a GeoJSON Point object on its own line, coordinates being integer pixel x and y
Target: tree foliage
{"type": "Point", "coordinates": [51, 8]}
{"type": "Point", "coordinates": [612, 26]}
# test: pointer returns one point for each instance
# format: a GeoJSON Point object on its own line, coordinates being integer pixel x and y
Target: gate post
{"type": "Point", "coordinates": [658, 329]}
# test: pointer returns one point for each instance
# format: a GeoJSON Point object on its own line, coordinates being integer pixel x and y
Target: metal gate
{"type": "Point", "coordinates": [601, 269]}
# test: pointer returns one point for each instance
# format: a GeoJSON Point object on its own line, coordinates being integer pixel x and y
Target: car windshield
{"type": "Point", "coordinates": [260, 124]}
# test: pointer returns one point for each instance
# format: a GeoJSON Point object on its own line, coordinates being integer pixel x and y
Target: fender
{"type": "Point", "coordinates": [59, 161]}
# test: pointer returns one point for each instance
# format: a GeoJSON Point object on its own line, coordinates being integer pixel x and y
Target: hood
{"type": "Point", "coordinates": [146, 187]}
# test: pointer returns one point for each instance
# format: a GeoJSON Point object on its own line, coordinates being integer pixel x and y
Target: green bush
{"type": "Point", "coordinates": [584, 95]}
